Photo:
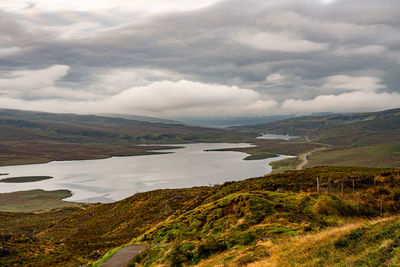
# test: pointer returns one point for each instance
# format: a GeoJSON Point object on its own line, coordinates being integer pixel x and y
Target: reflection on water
{"type": "Point", "coordinates": [112, 179]}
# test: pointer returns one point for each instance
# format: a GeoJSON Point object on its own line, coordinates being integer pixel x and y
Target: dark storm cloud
{"type": "Point", "coordinates": [284, 51]}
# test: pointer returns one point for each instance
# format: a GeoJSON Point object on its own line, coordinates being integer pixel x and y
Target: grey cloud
{"type": "Point", "coordinates": [232, 43]}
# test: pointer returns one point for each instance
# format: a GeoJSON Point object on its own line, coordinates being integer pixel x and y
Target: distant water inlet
{"type": "Point", "coordinates": [277, 136]}
{"type": "Point", "coordinates": [116, 178]}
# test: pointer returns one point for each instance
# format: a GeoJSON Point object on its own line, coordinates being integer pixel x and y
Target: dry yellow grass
{"type": "Point", "coordinates": [293, 251]}
{"type": "Point", "coordinates": [301, 247]}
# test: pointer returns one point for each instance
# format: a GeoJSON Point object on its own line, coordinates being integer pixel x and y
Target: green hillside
{"type": "Point", "coordinates": [200, 224]}
{"type": "Point", "coordinates": [364, 139]}
{"type": "Point", "coordinates": [350, 130]}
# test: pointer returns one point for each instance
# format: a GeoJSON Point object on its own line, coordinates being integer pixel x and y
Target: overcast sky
{"type": "Point", "coordinates": [204, 58]}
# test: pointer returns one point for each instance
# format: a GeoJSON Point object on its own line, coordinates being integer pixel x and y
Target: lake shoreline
{"type": "Point", "coordinates": [115, 178]}
{"type": "Point", "coordinates": [36, 200]}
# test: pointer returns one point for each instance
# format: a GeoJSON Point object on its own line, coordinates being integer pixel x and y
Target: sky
{"type": "Point", "coordinates": [204, 58]}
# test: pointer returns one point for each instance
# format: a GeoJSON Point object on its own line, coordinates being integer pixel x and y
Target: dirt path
{"type": "Point", "coordinates": [125, 256]}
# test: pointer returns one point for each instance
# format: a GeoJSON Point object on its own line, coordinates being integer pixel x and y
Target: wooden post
{"type": "Point", "coordinates": [374, 181]}
{"type": "Point", "coordinates": [330, 186]}
{"type": "Point", "coordinates": [358, 202]}
{"type": "Point", "coordinates": [353, 186]}
{"type": "Point", "coordinates": [341, 191]}
{"type": "Point", "coordinates": [381, 202]}
{"type": "Point", "coordinates": [317, 184]}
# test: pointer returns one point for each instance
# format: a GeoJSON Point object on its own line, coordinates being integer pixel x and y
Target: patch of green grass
{"type": "Point", "coordinates": [34, 200]}
{"type": "Point", "coordinates": [385, 155]}
{"type": "Point", "coordinates": [240, 220]}
{"type": "Point", "coordinates": [285, 165]}
{"type": "Point", "coordinates": [25, 179]}
{"type": "Point", "coordinates": [272, 148]}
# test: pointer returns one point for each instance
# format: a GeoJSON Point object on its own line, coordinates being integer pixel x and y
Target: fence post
{"type": "Point", "coordinates": [353, 186]}
{"type": "Point", "coordinates": [381, 202]}
{"type": "Point", "coordinates": [330, 185]}
{"type": "Point", "coordinates": [317, 184]}
{"type": "Point", "coordinates": [358, 194]}
{"type": "Point", "coordinates": [341, 191]}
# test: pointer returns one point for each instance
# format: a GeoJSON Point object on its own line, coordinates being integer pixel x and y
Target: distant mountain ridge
{"type": "Point", "coordinates": [142, 118]}
{"type": "Point", "coordinates": [22, 125]}
{"type": "Point", "coordinates": [340, 129]}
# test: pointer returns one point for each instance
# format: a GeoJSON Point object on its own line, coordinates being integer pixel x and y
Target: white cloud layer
{"type": "Point", "coordinates": [90, 5]}
{"type": "Point", "coordinates": [346, 102]}
{"type": "Point", "coordinates": [344, 82]}
{"type": "Point", "coordinates": [200, 58]}
{"type": "Point", "coordinates": [162, 98]}
{"type": "Point", "coordinates": [168, 98]}
{"type": "Point", "coordinates": [281, 42]}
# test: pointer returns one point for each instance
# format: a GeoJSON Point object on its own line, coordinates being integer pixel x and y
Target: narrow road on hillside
{"type": "Point", "coordinates": [125, 256]}
{"type": "Point", "coordinates": [305, 159]}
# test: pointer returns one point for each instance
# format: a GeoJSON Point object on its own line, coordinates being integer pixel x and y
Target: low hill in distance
{"type": "Point", "coordinates": [36, 137]}
{"type": "Point", "coordinates": [345, 130]}
{"type": "Point", "coordinates": [363, 139]}
{"type": "Point", "coordinates": [28, 125]}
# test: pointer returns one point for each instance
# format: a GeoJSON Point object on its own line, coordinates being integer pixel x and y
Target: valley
{"type": "Point", "coordinates": [234, 221]}
{"type": "Point", "coordinates": [210, 133]}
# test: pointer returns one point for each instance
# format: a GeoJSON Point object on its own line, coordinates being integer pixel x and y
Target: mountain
{"type": "Point", "coordinates": [142, 118]}
{"type": "Point", "coordinates": [33, 137]}
{"type": "Point", "coordinates": [20, 125]}
{"type": "Point", "coordinates": [229, 122]}
{"type": "Point", "coordinates": [341, 129]}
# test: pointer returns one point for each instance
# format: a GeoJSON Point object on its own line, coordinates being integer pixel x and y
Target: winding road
{"type": "Point", "coordinates": [304, 156]}
{"type": "Point", "coordinates": [305, 160]}
{"type": "Point", "coordinates": [124, 256]}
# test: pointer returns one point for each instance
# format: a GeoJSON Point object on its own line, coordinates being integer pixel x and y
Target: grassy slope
{"type": "Point", "coordinates": [73, 236]}
{"type": "Point", "coordinates": [385, 155]}
{"type": "Point", "coordinates": [373, 243]}
{"type": "Point", "coordinates": [197, 223]}
{"type": "Point", "coordinates": [362, 242]}
{"type": "Point", "coordinates": [364, 139]}
{"type": "Point", "coordinates": [345, 130]}
{"type": "Point", "coordinates": [34, 200]}
{"type": "Point", "coordinates": [240, 214]}
{"type": "Point", "coordinates": [285, 164]}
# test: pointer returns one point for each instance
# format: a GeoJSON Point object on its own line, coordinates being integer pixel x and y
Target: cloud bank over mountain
{"type": "Point", "coordinates": [205, 58]}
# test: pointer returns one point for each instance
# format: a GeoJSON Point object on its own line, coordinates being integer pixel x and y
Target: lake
{"type": "Point", "coordinates": [277, 136]}
{"type": "Point", "coordinates": [112, 179]}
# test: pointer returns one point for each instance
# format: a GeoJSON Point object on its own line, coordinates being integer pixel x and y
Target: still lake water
{"type": "Point", "coordinates": [277, 136]}
{"type": "Point", "coordinates": [108, 180]}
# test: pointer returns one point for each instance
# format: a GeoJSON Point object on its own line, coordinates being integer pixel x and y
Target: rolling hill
{"type": "Point", "coordinates": [28, 125]}
{"type": "Point", "coordinates": [33, 137]}
{"type": "Point", "coordinates": [362, 139]}
{"type": "Point", "coordinates": [345, 130]}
